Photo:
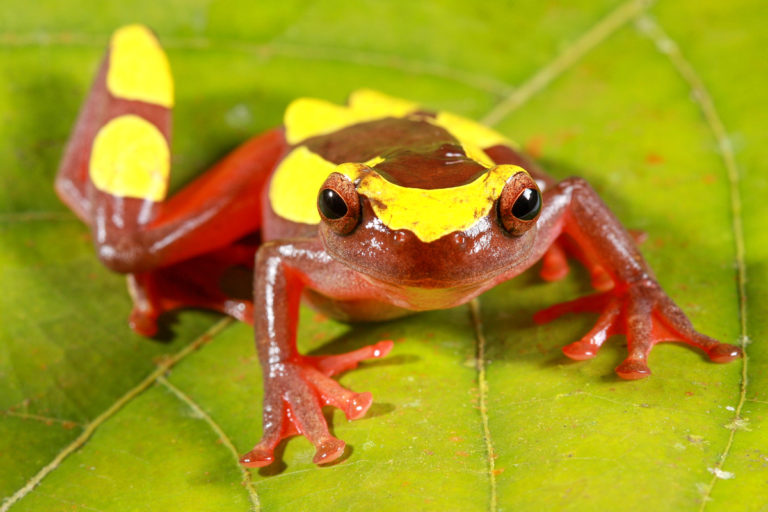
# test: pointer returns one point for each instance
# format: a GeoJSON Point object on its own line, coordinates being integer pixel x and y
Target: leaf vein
{"type": "Point", "coordinates": [43, 419]}
{"type": "Point", "coordinates": [567, 58]}
{"type": "Point", "coordinates": [223, 437]}
{"type": "Point", "coordinates": [91, 427]}
{"type": "Point", "coordinates": [482, 382]}
{"type": "Point", "coordinates": [651, 28]}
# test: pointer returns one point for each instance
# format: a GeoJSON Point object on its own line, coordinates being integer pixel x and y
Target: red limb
{"type": "Point", "coordinates": [166, 245]}
{"type": "Point", "coordinates": [296, 387]}
{"type": "Point", "coordinates": [135, 234]}
{"type": "Point", "coordinates": [209, 281]}
{"type": "Point", "coordinates": [636, 305]}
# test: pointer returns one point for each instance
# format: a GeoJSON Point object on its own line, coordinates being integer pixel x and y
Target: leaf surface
{"type": "Point", "coordinates": [661, 108]}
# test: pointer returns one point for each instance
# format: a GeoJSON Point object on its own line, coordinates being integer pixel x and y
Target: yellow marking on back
{"type": "Point", "coordinates": [296, 183]}
{"type": "Point", "coordinates": [375, 103]}
{"type": "Point", "coordinates": [469, 131]}
{"type": "Point", "coordinates": [478, 155]}
{"type": "Point", "coordinates": [309, 117]}
{"type": "Point", "coordinates": [138, 67]}
{"type": "Point", "coordinates": [131, 158]}
{"type": "Point", "coordinates": [432, 213]}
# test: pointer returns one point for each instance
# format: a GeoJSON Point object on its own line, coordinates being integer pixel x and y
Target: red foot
{"type": "Point", "coordinates": [646, 315]}
{"type": "Point", "coordinates": [295, 393]}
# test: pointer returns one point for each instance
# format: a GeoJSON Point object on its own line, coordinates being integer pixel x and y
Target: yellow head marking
{"type": "Point", "coordinates": [431, 214]}
{"type": "Point", "coordinates": [130, 158]}
{"type": "Point", "coordinates": [308, 117]}
{"type": "Point", "coordinates": [138, 67]}
{"type": "Point", "coordinates": [295, 184]}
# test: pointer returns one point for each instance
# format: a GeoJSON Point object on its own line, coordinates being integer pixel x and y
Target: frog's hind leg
{"type": "Point", "coordinates": [220, 281]}
{"type": "Point", "coordinates": [115, 169]}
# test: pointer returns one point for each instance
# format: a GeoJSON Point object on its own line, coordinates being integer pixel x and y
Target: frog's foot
{"type": "Point", "coordinates": [294, 398]}
{"type": "Point", "coordinates": [209, 281]}
{"type": "Point", "coordinates": [647, 316]}
{"type": "Point", "coordinates": [555, 261]}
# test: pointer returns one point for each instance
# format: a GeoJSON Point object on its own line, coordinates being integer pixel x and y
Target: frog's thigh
{"type": "Point", "coordinates": [115, 171]}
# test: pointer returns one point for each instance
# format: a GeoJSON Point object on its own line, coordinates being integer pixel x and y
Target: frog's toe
{"type": "Point", "coordinates": [554, 263]}
{"type": "Point", "coordinates": [601, 280]}
{"type": "Point", "coordinates": [724, 353]}
{"type": "Point", "coordinates": [328, 450]}
{"type": "Point", "coordinates": [354, 405]}
{"type": "Point", "coordinates": [258, 457]}
{"type": "Point", "coordinates": [633, 369]}
{"type": "Point", "coordinates": [143, 322]}
{"type": "Point", "coordinates": [581, 350]}
{"type": "Point", "coordinates": [338, 363]}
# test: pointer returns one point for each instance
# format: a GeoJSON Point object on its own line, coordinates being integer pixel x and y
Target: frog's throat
{"type": "Point", "coordinates": [427, 213]}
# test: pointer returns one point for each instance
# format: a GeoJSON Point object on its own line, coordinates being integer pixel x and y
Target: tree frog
{"type": "Point", "coordinates": [369, 211]}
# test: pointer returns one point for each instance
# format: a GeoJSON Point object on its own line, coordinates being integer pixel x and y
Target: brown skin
{"type": "Point", "coordinates": [181, 252]}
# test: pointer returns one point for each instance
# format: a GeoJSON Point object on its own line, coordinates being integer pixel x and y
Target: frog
{"type": "Point", "coordinates": [367, 211]}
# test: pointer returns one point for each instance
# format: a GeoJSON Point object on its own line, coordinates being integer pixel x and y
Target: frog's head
{"type": "Point", "coordinates": [406, 196]}
{"type": "Point", "coordinates": [429, 237]}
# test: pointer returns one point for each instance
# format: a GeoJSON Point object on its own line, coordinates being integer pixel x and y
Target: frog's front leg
{"type": "Point", "coordinates": [636, 305]}
{"type": "Point", "coordinates": [296, 387]}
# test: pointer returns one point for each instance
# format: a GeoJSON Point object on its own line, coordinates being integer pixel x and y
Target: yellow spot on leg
{"type": "Point", "coordinates": [130, 158]}
{"type": "Point", "coordinates": [138, 67]}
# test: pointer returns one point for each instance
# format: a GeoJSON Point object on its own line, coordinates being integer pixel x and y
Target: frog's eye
{"type": "Point", "coordinates": [519, 204]}
{"type": "Point", "coordinates": [339, 204]}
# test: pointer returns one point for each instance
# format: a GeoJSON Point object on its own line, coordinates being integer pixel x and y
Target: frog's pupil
{"type": "Point", "coordinates": [527, 205]}
{"type": "Point", "coordinates": [331, 205]}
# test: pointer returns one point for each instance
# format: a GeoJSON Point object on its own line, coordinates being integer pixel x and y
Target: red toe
{"type": "Point", "coordinates": [579, 350]}
{"type": "Point", "coordinates": [329, 450]}
{"type": "Point", "coordinates": [359, 405]}
{"type": "Point", "coordinates": [257, 458]}
{"type": "Point", "coordinates": [633, 369]}
{"type": "Point", "coordinates": [724, 353]}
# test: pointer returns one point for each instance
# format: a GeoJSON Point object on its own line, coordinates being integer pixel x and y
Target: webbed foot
{"type": "Point", "coordinates": [647, 316]}
{"type": "Point", "coordinates": [296, 391]}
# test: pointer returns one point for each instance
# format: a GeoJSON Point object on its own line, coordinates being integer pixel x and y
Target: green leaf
{"type": "Point", "coordinates": [662, 108]}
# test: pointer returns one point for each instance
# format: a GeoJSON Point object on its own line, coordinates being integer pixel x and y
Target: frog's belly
{"type": "Point", "coordinates": [355, 310]}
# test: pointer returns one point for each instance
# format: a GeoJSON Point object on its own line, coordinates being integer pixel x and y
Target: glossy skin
{"type": "Point", "coordinates": [197, 248]}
